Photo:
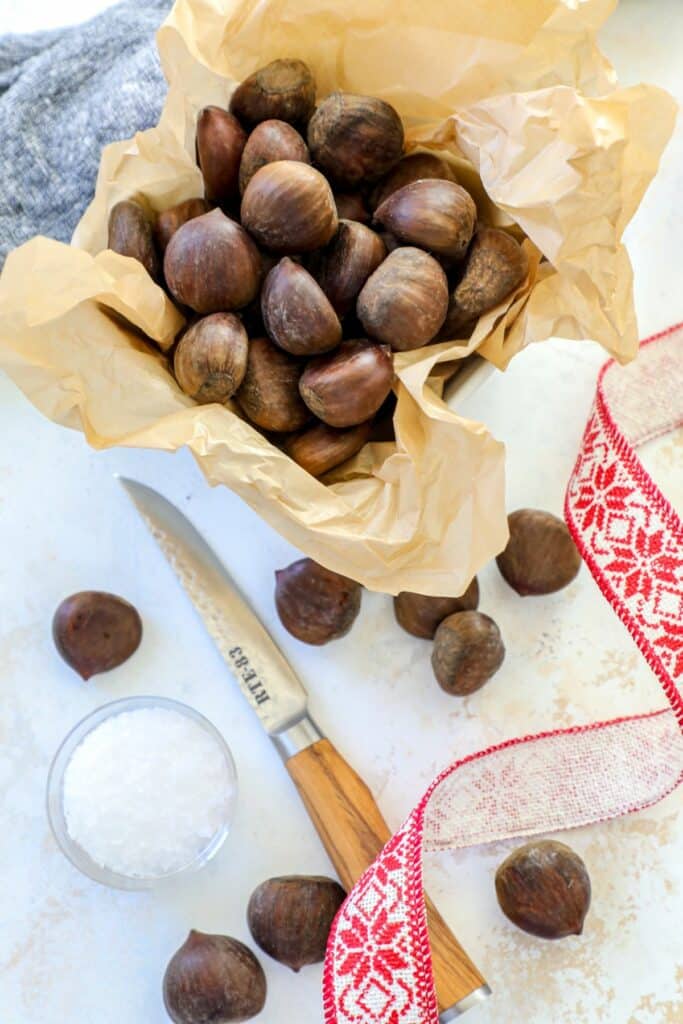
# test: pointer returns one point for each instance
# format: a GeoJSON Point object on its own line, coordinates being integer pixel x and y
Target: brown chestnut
{"type": "Point", "coordinates": [220, 141]}
{"type": "Point", "coordinates": [541, 556]}
{"type": "Point", "coordinates": [404, 302]}
{"type": "Point", "coordinates": [296, 312]}
{"type": "Point", "coordinates": [355, 139]}
{"type": "Point", "coordinates": [321, 448]}
{"type": "Point", "coordinates": [290, 917]}
{"type": "Point", "coordinates": [413, 167]}
{"type": "Point", "coordinates": [421, 615]}
{"type": "Point", "coordinates": [544, 888]}
{"type": "Point", "coordinates": [169, 221]}
{"type": "Point", "coordinates": [354, 253]}
{"type": "Point", "coordinates": [213, 979]}
{"type": "Point", "coordinates": [284, 89]}
{"type": "Point", "coordinates": [468, 650]}
{"type": "Point", "coordinates": [269, 395]}
{"type": "Point", "coordinates": [436, 215]}
{"type": "Point", "coordinates": [211, 358]}
{"type": "Point", "coordinates": [289, 208]}
{"type": "Point", "coordinates": [351, 206]}
{"type": "Point", "coordinates": [131, 234]}
{"type": "Point", "coordinates": [212, 265]}
{"type": "Point", "coordinates": [315, 604]}
{"type": "Point", "coordinates": [348, 386]}
{"type": "Point", "coordinates": [95, 631]}
{"type": "Point", "coordinates": [271, 141]}
{"type": "Point", "coordinates": [496, 264]}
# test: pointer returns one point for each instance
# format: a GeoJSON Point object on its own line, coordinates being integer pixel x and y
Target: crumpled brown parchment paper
{"type": "Point", "coordinates": [529, 110]}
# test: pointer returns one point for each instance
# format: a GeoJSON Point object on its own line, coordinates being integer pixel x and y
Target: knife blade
{"type": "Point", "coordinates": [339, 803]}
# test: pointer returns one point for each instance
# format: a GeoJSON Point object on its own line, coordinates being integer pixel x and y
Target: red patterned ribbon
{"type": "Point", "coordinates": [378, 964]}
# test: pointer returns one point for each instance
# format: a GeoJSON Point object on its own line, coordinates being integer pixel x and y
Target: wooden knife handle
{"type": "Point", "coordinates": [353, 832]}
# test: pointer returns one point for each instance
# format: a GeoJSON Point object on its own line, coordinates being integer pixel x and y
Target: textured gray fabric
{"type": "Point", "coordinates": [63, 96]}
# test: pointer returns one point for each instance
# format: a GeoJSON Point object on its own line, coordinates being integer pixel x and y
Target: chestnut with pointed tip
{"type": "Point", "coordinates": [211, 358]}
{"type": "Point", "coordinates": [321, 448]}
{"type": "Point", "coordinates": [289, 208]}
{"type": "Point", "coordinates": [131, 234]}
{"type": "Point", "coordinates": [354, 253]}
{"type": "Point", "coordinates": [271, 141]}
{"type": "Point", "coordinates": [95, 631]}
{"type": "Point", "coordinates": [348, 386]}
{"type": "Point", "coordinates": [404, 302]}
{"type": "Point", "coordinates": [290, 917]}
{"type": "Point", "coordinates": [220, 142]}
{"type": "Point", "coordinates": [540, 556]}
{"type": "Point", "coordinates": [421, 615]}
{"type": "Point", "coordinates": [269, 394]}
{"type": "Point", "coordinates": [213, 979]}
{"type": "Point", "coordinates": [468, 650]}
{"type": "Point", "coordinates": [544, 889]}
{"type": "Point", "coordinates": [438, 216]}
{"type": "Point", "coordinates": [169, 221]}
{"type": "Point", "coordinates": [413, 167]}
{"type": "Point", "coordinates": [283, 89]}
{"type": "Point", "coordinates": [212, 265]}
{"type": "Point", "coordinates": [355, 139]}
{"type": "Point", "coordinates": [315, 604]}
{"type": "Point", "coordinates": [496, 264]}
{"type": "Point", "coordinates": [296, 312]}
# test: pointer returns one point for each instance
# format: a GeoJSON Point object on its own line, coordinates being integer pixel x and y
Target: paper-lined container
{"type": "Point", "coordinates": [520, 98]}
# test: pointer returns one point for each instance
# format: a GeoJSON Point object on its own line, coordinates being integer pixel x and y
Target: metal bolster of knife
{"type": "Point", "coordinates": [296, 737]}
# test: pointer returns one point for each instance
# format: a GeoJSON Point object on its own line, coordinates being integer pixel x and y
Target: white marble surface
{"type": "Point", "coordinates": [71, 952]}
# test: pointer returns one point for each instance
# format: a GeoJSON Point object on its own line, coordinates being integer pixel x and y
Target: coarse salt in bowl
{"type": "Point", "coordinates": [141, 791]}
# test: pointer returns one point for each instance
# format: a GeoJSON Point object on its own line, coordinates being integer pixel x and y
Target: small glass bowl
{"type": "Point", "coordinates": [55, 796]}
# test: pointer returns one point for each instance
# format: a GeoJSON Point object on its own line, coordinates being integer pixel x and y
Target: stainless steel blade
{"type": "Point", "coordinates": [265, 676]}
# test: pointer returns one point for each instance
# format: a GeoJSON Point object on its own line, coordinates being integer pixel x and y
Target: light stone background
{"type": "Point", "coordinates": [74, 953]}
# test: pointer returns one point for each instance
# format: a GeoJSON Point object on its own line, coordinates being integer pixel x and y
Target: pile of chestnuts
{"type": "Point", "coordinates": [317, 605]}
{"type": "Point", "coordinates": [318, 249]}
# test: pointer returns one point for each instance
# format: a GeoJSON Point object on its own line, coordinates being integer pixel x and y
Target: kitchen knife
{"type": "Point", "coordinates": [339, 803]}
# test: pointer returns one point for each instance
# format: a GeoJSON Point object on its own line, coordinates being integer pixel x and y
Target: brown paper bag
{"type": "Point", "coordinates": [520, 97]}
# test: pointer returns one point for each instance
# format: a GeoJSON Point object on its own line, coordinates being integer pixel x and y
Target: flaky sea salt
{"type": "Point", "coordinates": [146, 791]}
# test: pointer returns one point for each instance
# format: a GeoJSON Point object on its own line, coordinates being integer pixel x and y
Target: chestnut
{"type": "Point", "coordinates": [269, 395]}
{"type": "Point", "coordinates": [544, 889]}
{"type": "Point", "coordinates": [211, 358]}
{"type": "Point", "coordinates": [95, 631]}
{"type": "Point", "coordinates": [348, 386]}
{"type": "Point", "coordinates": [284, 89]}
{"type": "Point", "coordinates": [351, 206]}
{"type": "Point", "coordinates": [404, 302]}
{"type": "Point", "coordinates": [169, 221]}
{"type": "Point", "coordinates": [436, 215]}
{"type": "Point", "coordinates": [321, 448]}
{"type": "Point", "coordinates": [212, 265]}
{"type": "Point", "coordinates": [496, 264]}
{"type": "Point", "coordinates": [271, 141]}
{"type": "Point", "coordinates": [289, 208]}
{"type": "Point", "coordinates": [468, 650]}
{"type": "Point", "coordinates": [297, 315]}
{"type": "Point", "coordinates": [220, 141]}
{"type": "Point", "coordinates": [540, 557]}
{"type": "Point", "coordinates": [290, 917]}
{"type": "Point", "coordinates": [421, 615]}
{"type": "Point", "coordinates": [413, 167]}
{"type": "Point", "coordinates": [355, 139]}
{"type": "Point", "coordinates": [315, 604]}
{"type": "Point", "coordinates": [213, 979]}
{"type": "Point", "coordinates": [131, 234]}
{"type": "Point", "coordinates": [347, 262]}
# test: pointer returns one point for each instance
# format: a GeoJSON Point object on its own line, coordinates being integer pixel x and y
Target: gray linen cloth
{"type": "Point", "coordinates": [63, 96]}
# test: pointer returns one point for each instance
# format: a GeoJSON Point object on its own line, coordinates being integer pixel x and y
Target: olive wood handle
{"type": "Point", "coordinates": [354, 832]}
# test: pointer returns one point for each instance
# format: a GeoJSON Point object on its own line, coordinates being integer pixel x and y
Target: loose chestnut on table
{"type": "Point", "coordinates": [468, 650]}
{"type": "Point", "coordinates": [95, 631]}
{"type": "Point", "coordinates": [540, 557]}
{"type": "Point", "coordinates": [315, 604]}
{"type": "Point", "coordinates": [421, 615]}
{"type": "Point", "coordinates": [131, 234]}
{"type": "Point", "coordinates": [213, 978]}
{"type": "Point", "coordinates": [290, 917]}
{"type": "Point", "coordinates": [544, 889]}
